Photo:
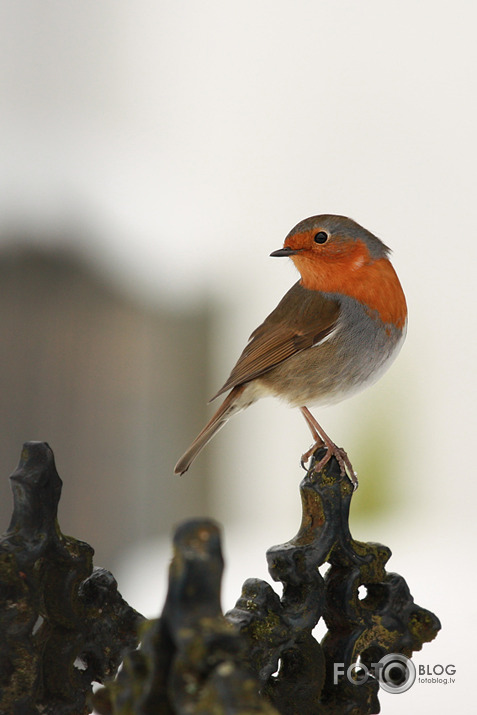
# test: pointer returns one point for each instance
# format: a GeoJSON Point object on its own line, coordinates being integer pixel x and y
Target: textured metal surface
{"type": "Point", "coordinates": [64, 624]}
{"type": "Point", "coordinates": [278, 631]}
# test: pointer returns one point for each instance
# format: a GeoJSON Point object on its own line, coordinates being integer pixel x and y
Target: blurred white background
{"type": "Point", "coordinates": [185, 139]}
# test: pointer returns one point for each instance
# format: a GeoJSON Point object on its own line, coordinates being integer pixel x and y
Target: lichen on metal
{"type": "Point", "coordinates": [261, 657]}
{"type": "Point", "coordinates": [63, 623]}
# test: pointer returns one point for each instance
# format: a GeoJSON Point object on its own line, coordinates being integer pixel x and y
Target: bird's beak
{"type": "Point", "coordinates": [286, 251]}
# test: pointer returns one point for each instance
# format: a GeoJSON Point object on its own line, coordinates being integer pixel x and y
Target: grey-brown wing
{"type": "Point", "coordinates": [301, 320]}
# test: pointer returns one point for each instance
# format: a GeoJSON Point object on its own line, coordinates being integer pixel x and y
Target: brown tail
{"type": "Point", "coordinates": [228, 407]}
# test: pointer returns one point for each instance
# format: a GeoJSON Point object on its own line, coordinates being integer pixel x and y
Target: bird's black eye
{"type": "Point", "coordinates": [320, 237]}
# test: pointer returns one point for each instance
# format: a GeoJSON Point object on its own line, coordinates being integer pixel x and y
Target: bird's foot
{"type": "Point", "coordinates": [332, 450]}
{"type": "Point", "coordinates": [306, 456]}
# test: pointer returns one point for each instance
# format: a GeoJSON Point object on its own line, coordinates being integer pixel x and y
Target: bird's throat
{"type": "Point", "coordinates": [373, 283]}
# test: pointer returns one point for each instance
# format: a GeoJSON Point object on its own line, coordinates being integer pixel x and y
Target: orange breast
{"type": "Point", "coordinates": [373, 283]}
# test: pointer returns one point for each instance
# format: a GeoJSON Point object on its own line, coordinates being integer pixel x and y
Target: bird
{"type": "Point", "coordinates": [335, 332]}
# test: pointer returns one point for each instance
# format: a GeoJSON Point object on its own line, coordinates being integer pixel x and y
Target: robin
{"type": "Point", "coordinates": [333, 333]}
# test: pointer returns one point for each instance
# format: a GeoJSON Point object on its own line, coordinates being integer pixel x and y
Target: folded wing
{"type": "Point", "coordinates": [301, 320]}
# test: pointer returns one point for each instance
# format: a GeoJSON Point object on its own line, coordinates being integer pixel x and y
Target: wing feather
{"type": "Point", "coordinates": [301, 320]}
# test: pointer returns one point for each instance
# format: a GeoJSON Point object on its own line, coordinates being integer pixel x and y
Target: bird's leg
{"type": "Point", "coordinates": [322, 440]}
{"type": "Point", "coordinates": [318, 441]}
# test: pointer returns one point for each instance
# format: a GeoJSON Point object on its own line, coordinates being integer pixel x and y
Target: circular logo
{"type": "Point", "coordinates": [396, 673]}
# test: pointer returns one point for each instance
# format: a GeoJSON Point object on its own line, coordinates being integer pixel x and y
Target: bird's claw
{"type": "Point", "coordinates": [346, 468]}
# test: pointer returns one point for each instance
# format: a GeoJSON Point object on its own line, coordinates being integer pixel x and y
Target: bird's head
{"type": "Point", "coordinates": [336, 255]}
